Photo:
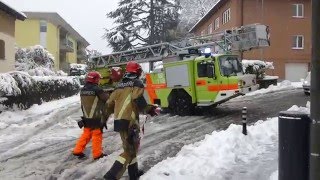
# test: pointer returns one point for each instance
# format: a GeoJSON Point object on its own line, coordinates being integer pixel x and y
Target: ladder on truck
{"type": "Point", "coordinates": [239, 39]}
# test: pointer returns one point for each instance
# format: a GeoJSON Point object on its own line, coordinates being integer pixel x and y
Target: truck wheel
{"type": "Point", "coordinates": [182, 105]}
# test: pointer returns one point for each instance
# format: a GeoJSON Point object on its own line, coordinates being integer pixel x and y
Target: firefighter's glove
{"type": "Point", "coordinates": [81, 123]}
{"type": "Point", "coordinates": [154, 111]}
{"type": "Point", "coordinates": [133, 135]}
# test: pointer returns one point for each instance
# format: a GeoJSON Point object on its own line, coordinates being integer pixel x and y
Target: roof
{"type": "Point", "coordinates": [208, 14]}
{"type": "Point", "coordinates": [11, 11]}
{"type": "Point", "coordinates": [57, 20]}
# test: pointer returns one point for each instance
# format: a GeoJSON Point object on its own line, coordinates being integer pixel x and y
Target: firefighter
{"type": "Point", "coordinates": [126, 102]}
{"type": "Point", "coordinates": [93, 100]}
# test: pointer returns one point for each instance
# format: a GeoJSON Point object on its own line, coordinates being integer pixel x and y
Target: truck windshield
{"type": "Point", "coordinates": [230, 66]}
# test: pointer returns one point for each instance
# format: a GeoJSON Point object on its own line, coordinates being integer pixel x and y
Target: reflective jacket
{"type": "Point", "coordinates": [126, 101]}
{"type": "Point", "coordinates": [93, 99]}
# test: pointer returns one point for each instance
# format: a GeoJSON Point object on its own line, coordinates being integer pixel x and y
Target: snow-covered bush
{"type": "Point", "coordinates": [8, 85]}
{"type": "Point", "coordinates": [20, 89]}
{"type": "Point", "coordinates": [257, 67]}
{"type": "Point", "coordinates": [35, 60]}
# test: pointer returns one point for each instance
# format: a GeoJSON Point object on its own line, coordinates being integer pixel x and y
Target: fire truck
{"type": "Point", "coordinates": [202, 71]}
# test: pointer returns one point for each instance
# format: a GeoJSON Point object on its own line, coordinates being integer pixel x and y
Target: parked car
{"type": "Point", "coordinates": [77, 69]}
{"type": "Point", "coordinates": [306, 84]}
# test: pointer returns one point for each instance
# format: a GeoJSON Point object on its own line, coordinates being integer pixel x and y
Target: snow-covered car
{"type": "Point", "coordinates": [306, 84]}
{"type": "Point", "coordinates": [78, 69]}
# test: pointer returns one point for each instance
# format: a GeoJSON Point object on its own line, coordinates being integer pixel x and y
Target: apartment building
{"type": "Point", "coordinates": [51, 31]}
{"type": "Point", "coordinates": [8, 16]}
{"type": "Point", "coordinates": [289, 22]}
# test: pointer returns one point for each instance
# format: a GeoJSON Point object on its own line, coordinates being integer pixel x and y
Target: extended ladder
{"type": "Point", "coordinates": [240, 39]}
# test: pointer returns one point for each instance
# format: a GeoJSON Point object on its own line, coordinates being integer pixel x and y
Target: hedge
{"type": "Point", "coordinates": [22, 90]}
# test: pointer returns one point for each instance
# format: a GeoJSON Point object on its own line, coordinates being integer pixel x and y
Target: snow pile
{"type": "Point", "coordinates": [284, 85]}
{"type": "Point", "coordinates": [208, 158]}
{"type": "Point", "coordinates": [204, 160]}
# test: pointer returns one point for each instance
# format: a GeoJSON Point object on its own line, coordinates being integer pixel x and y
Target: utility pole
{"type": "Point", "coordinates": [315, 93]}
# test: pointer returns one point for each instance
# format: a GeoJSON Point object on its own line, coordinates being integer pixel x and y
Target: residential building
{"type": "Point", "coordinates": [51, 31]}
{"type": "Point", "coordinates": [289, 22]}
{"type": "Point", "coordinates": [8, 16]}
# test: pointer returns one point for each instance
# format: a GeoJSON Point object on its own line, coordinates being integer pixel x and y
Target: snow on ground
{"type": "Point", "coordinates": [21, 132]}
{"type": "Point", "coordinates": [18, 126]}
{"type": "Point", "coordinates": [218, 151]}
{"type": "Point", "coordinates": [284, 85]}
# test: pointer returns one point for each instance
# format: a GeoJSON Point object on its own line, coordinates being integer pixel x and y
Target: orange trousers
{"type": "Point", "coordinates": [85, 138]}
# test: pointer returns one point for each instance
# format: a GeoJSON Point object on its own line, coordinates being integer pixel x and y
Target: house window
{"type": "Point", "coordinates": [210, 29]}
{"type": "Point", "coordinates": [297, 42]}
{"type": "Point", "coordinates": [216, 23]}
{"type": "Point", "coordinates": [2, 50]}
{"type": "Point", "coordinates": [297, 10]}
{"type": "Point", "coordinates": [226, 16]}
{"type": "Point", "coordinates": [43, 26]}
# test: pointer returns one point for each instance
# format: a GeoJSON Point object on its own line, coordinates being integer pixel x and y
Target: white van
{"type": "Point", "coordinates": [306, 84]}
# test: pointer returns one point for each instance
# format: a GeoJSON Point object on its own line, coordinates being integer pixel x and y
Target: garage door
{"type": "Point", "coordinates": [296, 71]}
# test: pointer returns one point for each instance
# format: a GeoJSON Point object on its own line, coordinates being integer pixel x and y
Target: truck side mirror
{"type": "Point", "coordinates": [210, 71]}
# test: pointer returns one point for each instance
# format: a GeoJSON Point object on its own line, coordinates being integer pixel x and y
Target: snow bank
{"type": "Point", "coordinates": [204, 160]}
{"type": "Point", "coordinates": [208, 158]}
{"type": "Point", "coordinates": [284, 85]}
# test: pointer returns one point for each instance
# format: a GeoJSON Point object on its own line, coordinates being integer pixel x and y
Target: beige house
{"type": "Point", "coordinates": [289, 22]}
{"type": "Point", "coordinates": [8, 16]}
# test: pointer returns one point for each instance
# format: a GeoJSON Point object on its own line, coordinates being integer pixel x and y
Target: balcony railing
{"type": "Point", "coordinates": [81, 54]}
{"type": "Point", "coordinates": [66, 45]}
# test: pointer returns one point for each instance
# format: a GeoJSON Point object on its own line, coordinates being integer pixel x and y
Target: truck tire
{"type": "Point", "coordinates": [181, 104]}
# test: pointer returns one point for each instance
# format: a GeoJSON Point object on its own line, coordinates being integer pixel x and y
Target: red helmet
{"type": "Point", "coordinates": [116, 74]}
{"type": "Point", "coordinates": [133, 67]}
{"type": "Point", "coordinates": [93, 77]}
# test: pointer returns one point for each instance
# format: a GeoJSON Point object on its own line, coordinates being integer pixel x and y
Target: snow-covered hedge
{"type": "Point", "coordinates": [20, 89]}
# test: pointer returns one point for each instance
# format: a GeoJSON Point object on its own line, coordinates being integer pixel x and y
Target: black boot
{"type": "Point", "coordinates": [101, 156]}
{"type": "Point", "coordinates": [114, 170]}
{"type": "Point", "coordinates": [134, 172]}
{"type": "Point", "coordinates": [80, 155]}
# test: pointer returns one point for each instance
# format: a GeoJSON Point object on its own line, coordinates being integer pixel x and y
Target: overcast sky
{"type": "Point", "coordinates": [88, 17]}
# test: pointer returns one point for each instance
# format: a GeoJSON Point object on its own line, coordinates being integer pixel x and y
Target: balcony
{"type": "Point", "coordinates": [66, 45]}
{"type": "Point", "coordinates": [81, 54]}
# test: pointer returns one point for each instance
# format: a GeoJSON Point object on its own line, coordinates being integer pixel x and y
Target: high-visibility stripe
{"type": "Point", "coordinates": [121, 159]}
{"type": "Point", "coordinates": [222, 87]}
{"type": "Point", "coordinates": [134, 160]}
{"type": "Point", "coordinates": [125, 105]}
{"type": "Point", "coordinates": [84, 112]}
{"type": "Point", "coordinates": [133, 115]}
{"type": "Point", "coordinates": [93, 107]}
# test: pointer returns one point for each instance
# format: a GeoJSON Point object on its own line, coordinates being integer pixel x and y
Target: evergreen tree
{"type": "Point", "coordinates": [193, 11]}
{"type": "Point", "coordinates": [142, 22]}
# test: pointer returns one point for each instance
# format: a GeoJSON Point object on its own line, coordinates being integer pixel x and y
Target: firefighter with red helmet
{"type": "Point", "coordinates": [93, 100]}
{"type": "Point", "coordinates": [126, 102]}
